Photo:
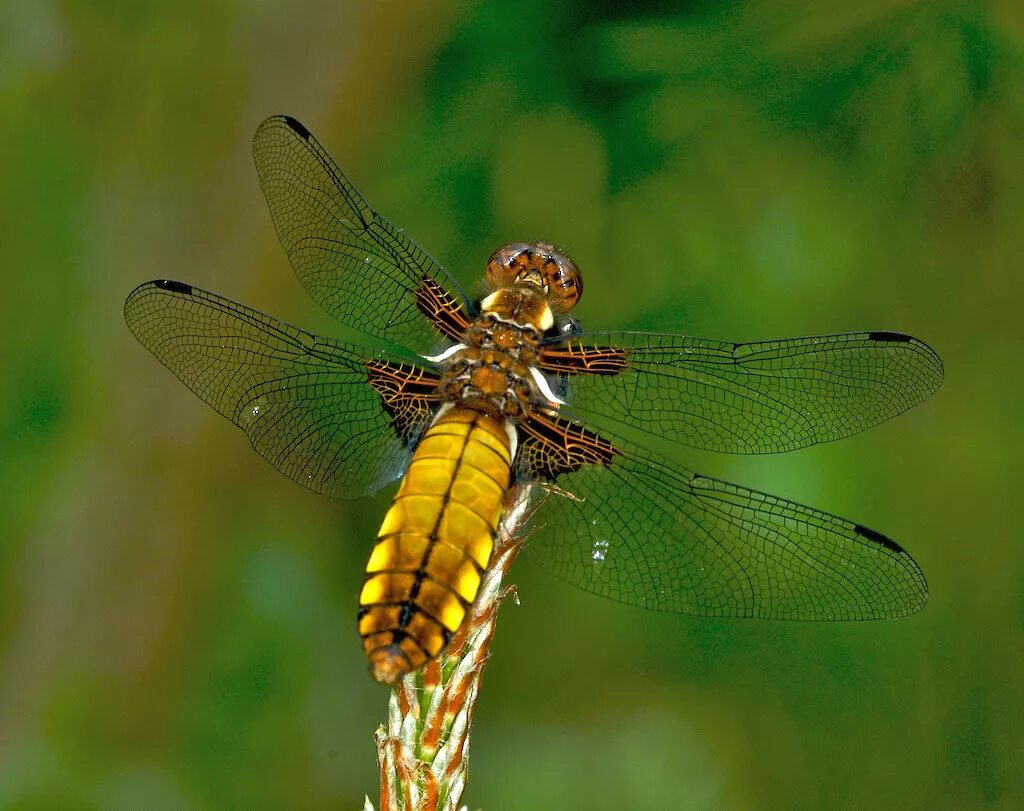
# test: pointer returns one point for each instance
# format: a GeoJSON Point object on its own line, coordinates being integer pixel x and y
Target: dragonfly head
{"type": "Point", "coordinates": [539, 264]}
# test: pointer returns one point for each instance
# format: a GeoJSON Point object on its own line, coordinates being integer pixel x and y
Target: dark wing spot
{"type": "Point", "coordinates": [877, 537]}
{"type": "Point", "coordinates": [174, 287]}
{"type": "Point", "coordinates": [297, 126]}
{"type": "Point", "coordinates": [894, 337]}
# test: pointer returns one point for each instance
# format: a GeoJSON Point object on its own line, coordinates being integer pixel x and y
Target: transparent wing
{"type": "Point", "coordinates": [355, 264]}
{"type": "Point", "coordinates": [762, 397]}
{"type": "Point", "coordinates": [305, 402]}
{"type": "Point", "coordinates": [643, 531]}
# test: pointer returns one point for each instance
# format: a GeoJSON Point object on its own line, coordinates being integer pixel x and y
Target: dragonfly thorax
{"type": "Point", "coordinates": [492, 371]}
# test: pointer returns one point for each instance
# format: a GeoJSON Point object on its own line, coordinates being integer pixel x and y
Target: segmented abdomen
{"type": "Point", "coordinates": [435, 542]}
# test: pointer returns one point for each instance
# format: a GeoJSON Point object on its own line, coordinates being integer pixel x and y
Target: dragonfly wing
{"type": "Point", "coordinates": [355, 264]}
{"type": "Point", "coordinates": [335, 417]}
{"type": "Point", "coordinates": [762, 397]}
{"type": "Point", "coordinates": [643, 531]}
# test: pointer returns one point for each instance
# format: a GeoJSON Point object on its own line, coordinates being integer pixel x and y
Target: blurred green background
{"type": "Point", "coordinates": [177, 619]}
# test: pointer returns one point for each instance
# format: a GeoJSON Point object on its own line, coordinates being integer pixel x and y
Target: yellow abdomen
{"type": "Point", "coordinates": [435, 542]}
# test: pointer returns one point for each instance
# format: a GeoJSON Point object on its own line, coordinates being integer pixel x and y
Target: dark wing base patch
{"type": "Point", "coordinates": [442, 309]}
{"type": "Point", "coordinates": [409, 395]}
{"type": "Point", "coordinates": [551, 446]}
{"type": "Point", "coordinates": [575, 358]}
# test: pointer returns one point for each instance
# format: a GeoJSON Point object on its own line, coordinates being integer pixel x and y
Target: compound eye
{"type": "Point", "coordinates": [564, 283]}
{"type": "Point", "coordinates": [504, 263]}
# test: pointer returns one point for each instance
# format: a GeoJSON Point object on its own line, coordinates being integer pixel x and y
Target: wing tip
{"type": "Point", "coordinates": [923, 599]}
{"type": "Point", "coordinates": [915, 591]}
{"type": "Point", "coordinates": [937, 371]}
{"type": "Point", "coordinates": [916, 600]}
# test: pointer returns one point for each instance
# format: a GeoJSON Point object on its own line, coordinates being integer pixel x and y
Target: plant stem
{"type": "Point", "coordinates": [423, 748]}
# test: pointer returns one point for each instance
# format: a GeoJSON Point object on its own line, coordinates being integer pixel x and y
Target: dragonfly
{"type": "Point", "coordinates": [469, 400]}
